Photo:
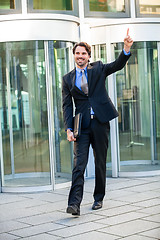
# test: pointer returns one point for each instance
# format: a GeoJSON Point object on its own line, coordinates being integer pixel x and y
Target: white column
{"type": "Point", "coordinates": [133, 8]}
{"type": "Point", "coordinates": [85, 35]}
{"type": "Point", "coordinates": [24, 6]}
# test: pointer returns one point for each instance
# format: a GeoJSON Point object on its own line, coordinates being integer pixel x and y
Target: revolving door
{"type": "Point", "coordinates": [34, 153]}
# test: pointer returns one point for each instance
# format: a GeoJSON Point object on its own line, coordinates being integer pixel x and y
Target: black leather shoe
{"type": "Point", "coordinates": [73, 209]}
{"type": "Point", "coordinates": [97, 205]}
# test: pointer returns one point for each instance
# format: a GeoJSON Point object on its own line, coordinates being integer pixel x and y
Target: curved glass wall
{"type": "Point", "coordinates": [138, 95]}
{"type": "Point", "coordinates": [31, 121]}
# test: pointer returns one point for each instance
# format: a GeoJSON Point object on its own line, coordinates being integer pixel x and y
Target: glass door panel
{"type": "Point", "coordinates": [24, 117]}
{"type": "Point", "coordinates": [61, 62]}
{"type": "Point", "coordinates": [155, 71]}
{"type": "Point", "coordinates": [138, 105]}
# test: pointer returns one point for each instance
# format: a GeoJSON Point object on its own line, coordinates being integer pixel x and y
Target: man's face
{"type": "Point", "coordinates": [81, 57]}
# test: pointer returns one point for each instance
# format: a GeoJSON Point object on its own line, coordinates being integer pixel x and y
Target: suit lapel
{"type": "Point", "coordinates": [73, 77]}
{"type": "Point", "coordinates": [91, 80]}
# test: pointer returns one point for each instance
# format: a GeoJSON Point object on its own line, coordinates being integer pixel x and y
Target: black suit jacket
{"type": "Point", "coordinates": [97, 97]}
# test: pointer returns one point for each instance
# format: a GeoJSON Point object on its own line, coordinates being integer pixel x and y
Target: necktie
{"type": "Point", "coordinates": [84, 83]}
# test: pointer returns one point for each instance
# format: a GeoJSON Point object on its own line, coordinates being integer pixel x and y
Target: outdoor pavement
{"type": "Point", "coordinates": [131, 211]}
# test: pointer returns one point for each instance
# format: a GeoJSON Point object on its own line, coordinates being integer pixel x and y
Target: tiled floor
{"type": "Point", "coordinates": [131, 211]}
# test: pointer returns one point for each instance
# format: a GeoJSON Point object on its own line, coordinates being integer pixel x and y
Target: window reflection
{"type": "Point", "coordinates": [7, 4]}
{"type": "Point", "coordinates": [107, 6]}
{"type": "Point", "coordinates": [99, 52]}
{"type": "Point", "coordinates": [149, 7]}
{"type": "Point", "coordinates": [53, 5]}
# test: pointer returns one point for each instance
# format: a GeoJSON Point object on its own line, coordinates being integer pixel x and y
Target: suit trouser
{"type": "Point", "coordinates": [97, 135]}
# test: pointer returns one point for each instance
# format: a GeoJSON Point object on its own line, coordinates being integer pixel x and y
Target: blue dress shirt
{"type": "Point", "coordinates": [79, 78]}
{"type": "Point", "coordinates": [126, 52]}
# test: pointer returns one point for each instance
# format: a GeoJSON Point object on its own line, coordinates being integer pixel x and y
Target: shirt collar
{"type": "Point", "coordinates": [79, 70]}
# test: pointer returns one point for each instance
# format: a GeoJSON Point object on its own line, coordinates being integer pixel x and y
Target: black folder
{"type": "Point", "coordinates": [77, 125]}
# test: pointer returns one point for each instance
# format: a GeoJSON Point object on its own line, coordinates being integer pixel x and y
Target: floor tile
{"type": "Point", "coordinates": [153, 218]}
{"type": "Point", "coordinates": [44, 218]}
{"type": "Point", "coordinates": [6, 236]}
{"type": "Point", "coordinates": [78, 229]}
{"type": "Point", "coordinates": [143, 196]}
{"type": "Point", "coordinates": [154, 233]}
{"type": "Point", "coordinates": [146, 187]}
{"type": "Point", "coordinates": [69, 220]}
{"type": "Point", "coordinates": [11, 225]}
{"type": "Point", "coordinates": [136, 237]}
{"type": "Point", "coordinates": [118, 210]}
{"type": "Point", "coordinates": [130, 228]}
{"type": "Point", "coordinates": [151, 210]}
{"type": "Point", "coordinates": [34, 230]}
{"type": "Point", "coordinates": [126, 217]}
{"type": "Point", "coordinates": [148, 203]}
{"type": "Point", "coordinates": [93, 236]}
{"type": "Point", "coordinates": [44, 236]}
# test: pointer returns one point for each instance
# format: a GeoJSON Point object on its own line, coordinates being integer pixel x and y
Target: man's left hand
{"type": "Point", "coordinates": [128, 42]}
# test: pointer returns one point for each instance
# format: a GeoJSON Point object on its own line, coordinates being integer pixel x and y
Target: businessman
{"type": "Point", "coordinates": [85, 85]}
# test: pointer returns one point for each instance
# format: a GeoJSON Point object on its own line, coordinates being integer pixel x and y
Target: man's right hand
{"type": "Point", "coordinates": [70, 136]}
{"type": "Point", "coordinates": [128, 42]}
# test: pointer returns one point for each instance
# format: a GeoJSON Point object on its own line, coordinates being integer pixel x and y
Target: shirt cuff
{"type": "Point", "coordinates": [126, 52]}
{"type": "Point", "coordinates": [70, 129]}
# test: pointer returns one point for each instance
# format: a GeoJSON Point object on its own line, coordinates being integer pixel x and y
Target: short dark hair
{"type": "Point", "coordinates": [83, 44]}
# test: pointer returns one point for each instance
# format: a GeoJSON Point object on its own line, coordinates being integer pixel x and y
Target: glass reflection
{"type": "Point", "coordinates": [53, 5]}
{"type": "Point", "coordinates": [138, 106]}
{"type": "Point", "coordinates": [149, 7]}
{"type": "Point", "coordinates": [107, 6]}
{"type": "Point", "coordinates": [7, 4]}
{"type": "Point", "coordinates": [99, 53]}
